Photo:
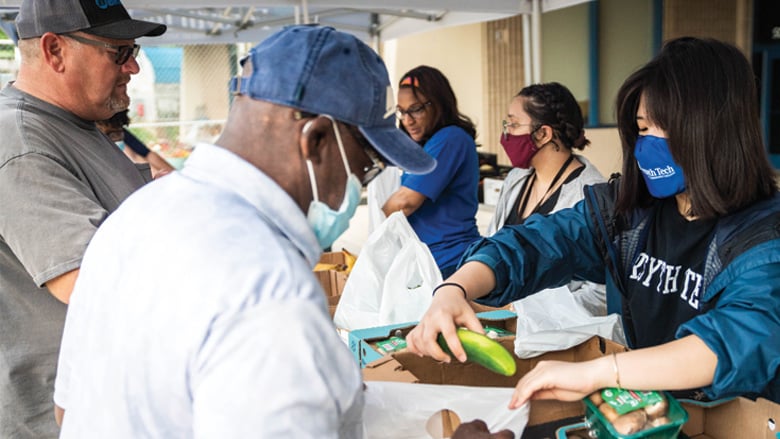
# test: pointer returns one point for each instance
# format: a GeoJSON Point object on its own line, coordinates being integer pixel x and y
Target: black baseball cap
{"type": "Point", "coordinates": [103, 18]}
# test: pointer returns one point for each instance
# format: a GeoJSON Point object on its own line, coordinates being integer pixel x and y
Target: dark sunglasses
{"type": "Point", "coordinates": [377, 165]}
{"type": "Point", "coordinates": [123, 53]}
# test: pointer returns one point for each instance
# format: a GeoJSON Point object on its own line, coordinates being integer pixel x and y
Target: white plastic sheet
{"type": "Point", "coordinates": [391, 281]}
{"type": "Point", "coordinates": [552, 320]}
{"type": "Point", "coordinates": [402, 410]}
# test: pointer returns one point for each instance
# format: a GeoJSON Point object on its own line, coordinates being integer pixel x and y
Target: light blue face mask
{"type": "Point", "coordinates": [120, 145]}
{"type": "Point", "coordinates": [329, 224]}
{"type": "Point", "coordinates": [663, 176]}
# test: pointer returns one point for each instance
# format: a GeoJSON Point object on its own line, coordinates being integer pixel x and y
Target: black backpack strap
{"type": "Point", "coordinates": [601, 199]}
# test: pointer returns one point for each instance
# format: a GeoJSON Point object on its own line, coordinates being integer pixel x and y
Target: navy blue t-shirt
{"type": "Point", "coordinates": [446, 221]}
{"type": "Point", "coordinates": [665, 281]}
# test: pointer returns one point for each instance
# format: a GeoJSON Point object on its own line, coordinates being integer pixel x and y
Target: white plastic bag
{"type": "Point", "coordinates": [391, 281]}
{"type": "Point", "coordinates": [403, 410]}
{"type": "Point", "coordinates": [552, 320]}
{"type": "Point", "coordinates": [377, 193]}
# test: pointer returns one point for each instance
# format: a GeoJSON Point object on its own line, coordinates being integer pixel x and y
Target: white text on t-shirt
{"type": "Point", "coordinates": [647, 269]}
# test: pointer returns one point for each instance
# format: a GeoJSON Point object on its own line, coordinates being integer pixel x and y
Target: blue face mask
{"type": "Point", "coordinates": [329, 224]}
{"type": "Point", "coordinates": [663, 176]}
{"type": "Point", "coordinates": [120, 145]}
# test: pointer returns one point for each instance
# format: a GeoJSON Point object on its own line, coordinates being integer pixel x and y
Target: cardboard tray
{"type": "Point", "coordinates": [407, 367]}
{"type": "Point", "coordinates": [362, 342]}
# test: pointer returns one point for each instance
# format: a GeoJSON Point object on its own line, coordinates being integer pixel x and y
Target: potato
{"type": "Point", "coordinates": [608, 411]}
{"type": "Point", "coordinates": [631, 422]}
{"type": "Point", "coordinates": [596, 398]}
{"type": "Point", "coordinates": [658, 409]}
{"type": "Point", "coordinates": [657, 422]}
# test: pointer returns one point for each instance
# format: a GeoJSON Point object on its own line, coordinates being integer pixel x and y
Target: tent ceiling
{"type": "Point", "coordinates": [214, 22]}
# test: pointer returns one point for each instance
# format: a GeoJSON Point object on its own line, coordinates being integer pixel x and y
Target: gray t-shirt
{"type": "Point", "coordinates": [59, 179]}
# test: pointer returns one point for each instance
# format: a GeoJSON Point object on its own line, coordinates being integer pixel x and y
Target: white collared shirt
{"type": "Point", "coordinates": [196, 314]}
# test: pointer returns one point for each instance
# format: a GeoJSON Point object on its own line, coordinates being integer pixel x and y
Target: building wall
{"type": "Point", "coordinates": [604, 150]}
{"type": "Point", "coordinates": [726, 20]}
{"type": "Point", "coordinates": [565, 49]}
{"type": "Point", "coordinates": [457, 52]}
{"type": "Point", "coordinates": [625, 44]}
{"type": "Point", "coordinates": [504, 77]}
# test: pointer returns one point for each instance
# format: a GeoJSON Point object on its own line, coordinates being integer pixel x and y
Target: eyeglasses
{"type": "Point", "coordinates": [123, 53]}
{"type": "Point", "coordinates": [507, 126]}
{"type": "Point", "coordinates": [414, 111]}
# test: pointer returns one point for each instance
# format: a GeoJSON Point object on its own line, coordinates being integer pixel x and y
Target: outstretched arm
{"type": "Point", "coordinates": [450, 308]}
{"type": "Point", "coordinates": [686, 363]}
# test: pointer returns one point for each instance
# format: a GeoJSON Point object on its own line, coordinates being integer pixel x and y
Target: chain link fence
{"type": "Point", "coordinates": [179, 98]}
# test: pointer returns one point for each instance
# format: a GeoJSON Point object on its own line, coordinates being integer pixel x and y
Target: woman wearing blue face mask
{"type": "Point", "coordinates": [687, 241]}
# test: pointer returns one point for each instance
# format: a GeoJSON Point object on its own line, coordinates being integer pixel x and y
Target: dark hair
{"type": "Point", "coordinates": [432, 83]}
{"type": "Point", "coordinates": [118, 120]}
{"type": "Point", "coordinates": [702, 93]}
{"type": "Point", "coordinates": [553, 104]}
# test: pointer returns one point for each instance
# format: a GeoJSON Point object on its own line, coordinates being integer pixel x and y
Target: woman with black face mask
{"type": "Point", "coordinates": [687, 242]}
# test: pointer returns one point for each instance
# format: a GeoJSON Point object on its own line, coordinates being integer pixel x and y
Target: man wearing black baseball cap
{"type": "Point", "coordinates": [59, 179]}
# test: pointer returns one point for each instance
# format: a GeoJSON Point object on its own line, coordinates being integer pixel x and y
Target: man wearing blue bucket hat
{"type": "Point", "coordinates": [228, 334]}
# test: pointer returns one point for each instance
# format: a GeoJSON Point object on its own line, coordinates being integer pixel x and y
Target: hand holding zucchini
{"type": "Point", "coordinates": [484, 351]}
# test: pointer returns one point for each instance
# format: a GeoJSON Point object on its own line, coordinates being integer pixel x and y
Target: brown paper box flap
{"type": "Point", "coordinates": [740, 418]}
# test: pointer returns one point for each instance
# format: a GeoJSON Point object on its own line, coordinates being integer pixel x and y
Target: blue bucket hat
{"type": "Point", "coordinates": [320, 70]}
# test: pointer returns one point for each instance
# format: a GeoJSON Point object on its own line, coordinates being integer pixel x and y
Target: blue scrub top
{"type": "Point", "coordinates": [446, 221]}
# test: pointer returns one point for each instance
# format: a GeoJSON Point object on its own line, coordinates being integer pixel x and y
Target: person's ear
{"type": "Point", "coordinates": [315, 135]}
{"type": "Point", "coordinates": [544, 135]}
{"type": "Point", "coordinates": [52, 49]}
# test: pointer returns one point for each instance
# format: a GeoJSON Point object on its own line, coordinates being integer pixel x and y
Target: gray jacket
{"type": "Point", "coordinates": [590, 295]}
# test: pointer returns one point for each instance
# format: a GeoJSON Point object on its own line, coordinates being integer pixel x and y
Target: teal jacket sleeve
{"type": "Point", "coordinates": [543, 252]}
{"type": "Point", "coordinates": [743, 326]}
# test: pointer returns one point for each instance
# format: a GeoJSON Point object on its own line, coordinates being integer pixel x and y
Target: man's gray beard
{"type": "Point", "coordinates": [118, 104]}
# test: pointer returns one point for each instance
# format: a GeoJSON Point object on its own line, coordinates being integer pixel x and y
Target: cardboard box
{"type": "Point", "coordinates": [333, 302]}
{"type": "Point", "coordinates": [738, 418]}
{"type": "Point", "coordinates": [362, 342]}
{"type": "Point", "coordinates": [408, 367]}
{"type": "Point", "coordinates": [332, 281]}
{"type": "Point", "coordinates": [491, 187]}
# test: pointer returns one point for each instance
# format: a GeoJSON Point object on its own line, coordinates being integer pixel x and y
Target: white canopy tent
{"type": "Point", "coordinates": [220, 22]}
